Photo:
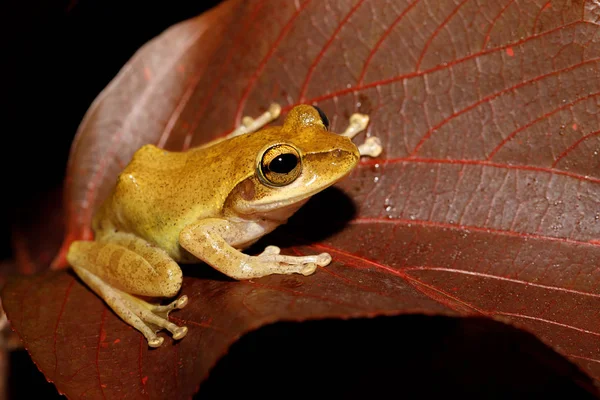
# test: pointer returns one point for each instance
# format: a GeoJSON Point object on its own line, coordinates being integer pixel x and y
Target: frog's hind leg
{"type": "Point", "coordinates": [250, 124]}
{"type": "Point", "coordinates": [137, 313]}
{"type": "Point", "coordinates": [123, 266]}
{"type": "Point", "coordinates": [372, 145]}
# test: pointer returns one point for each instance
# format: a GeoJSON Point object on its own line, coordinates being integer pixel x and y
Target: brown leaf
{"type": "Point", "coordinates": [485, 201]}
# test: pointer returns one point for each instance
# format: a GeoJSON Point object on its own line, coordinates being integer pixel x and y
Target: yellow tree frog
{"type": "Point", "coordinates": [206, 204]}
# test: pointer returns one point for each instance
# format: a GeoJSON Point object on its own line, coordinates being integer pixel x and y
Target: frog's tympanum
{"type": "Point", "coordinates": [205, 205]}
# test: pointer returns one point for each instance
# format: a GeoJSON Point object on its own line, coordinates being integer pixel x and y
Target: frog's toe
{"type": "Point", "coordinates": [270, 250]}
{"type": "Point", "coordinates": [180, 332]}
{"type": "Point", "coordinates": [156, 341]}
{"type": "Point", "coordinates": [158, 323]}
{"type": "Point", "coordinates": [359, 120]}
{"type": "Point", "coordinates": [323, 259]}
{"type": "Point", "coordinates": [154, 318]}
{"type": "Point", "coordinates": [174, 305]}
{"type": "Point", "coordinates": [308, 269]}
{"type": "Point", "coordinates": [181, 302]}
{"type": "Point", "coordinates": [371, 147]}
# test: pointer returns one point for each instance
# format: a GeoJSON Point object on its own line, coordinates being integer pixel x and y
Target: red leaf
{"type": "Point", "coordinates": [485, 201]}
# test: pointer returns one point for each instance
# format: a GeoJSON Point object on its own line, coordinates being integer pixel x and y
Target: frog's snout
{"type": "Point", "coordinates": [346, 150]}
{"type": "Point", "coordinates": [334, 163]}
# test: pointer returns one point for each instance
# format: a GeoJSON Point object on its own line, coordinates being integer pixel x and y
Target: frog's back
{"type": "Point", "coordinates": [159, 193]}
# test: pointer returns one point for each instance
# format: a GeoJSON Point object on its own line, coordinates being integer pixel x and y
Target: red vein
{"type": "Point", "coordinates": [299, 293]}
{"type": "Point", "coordinates": [412, 280]}
{"type": "Point", "coordinates": [83, 394]}
{"type": "Point", "coordinates": [439, 67]}
{"type": "Point", "coordinates": [86, 213]}
{"type": "Point", "coordinates": [350, 282]}
{"type": "Point", "coordinates": [493, 23]}
{"type": "Point", "coordinates": [408, 277]}
{"type": "Point", "coordinates": [60, 314]}
{"type": "Point", "coordinates": [383, 37]}
{"type": "Point", "coordinates": [483, 275]}
{"type": "Point", "coordinates": [446, 294]}
{"type": "Point", "coordinates": [539, 14]}
{"type": "Point", "coordinates": [200, 324]}
{"type": "Point", "coordinates": [176, 371]}
{"type": "Point", "coordinates": [74, 375]}
{"type": "Point", "coordinates": [261, 66]}
{"type": "Point", "coordinates": [514, 133]}
{"type": "Point", "coordinates": [102, 321]}
{"type": "Point", "coordinates": [213, 87]}
{"type": "Point", "coordinates": [365, 220]}
{"type": "Point", "coordinates": [485, 164]}
{"type": "Point", "coordinates": [574, 145]}
{"type": "Point", "coordinates": [316, 61]}
{"type": "Point", "coordinates": [140, 357]}
{"type": "Point", "coordinates": [547, 321]}
{"type": "Point", "coordinates": [436, 32]}
{"type": "Point", "coordinates": [583, 358]}
{"type": "Point", "coordinates": [486, 99]}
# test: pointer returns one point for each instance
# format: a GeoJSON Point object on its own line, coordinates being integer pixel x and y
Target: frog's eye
{"type": "Point", "coordinates": [323, 117]}
{"type": "Point", "coordinates": [280, 165]}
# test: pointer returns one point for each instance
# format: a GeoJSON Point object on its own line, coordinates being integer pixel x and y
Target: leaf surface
{"type": "Point", "coordinates": [485, 201]}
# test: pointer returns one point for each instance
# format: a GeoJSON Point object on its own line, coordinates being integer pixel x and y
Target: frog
{"type": "Point", "coordinates": [206, 205]}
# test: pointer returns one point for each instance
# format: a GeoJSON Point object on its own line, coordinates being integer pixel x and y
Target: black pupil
{"type": "Point", "coordinates": [283, 163]}
{"type": "Point", "coordinates": [323, 117]}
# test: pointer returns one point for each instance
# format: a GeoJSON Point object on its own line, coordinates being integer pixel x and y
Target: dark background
{"type": "Point", "coordinates": [56, 57]}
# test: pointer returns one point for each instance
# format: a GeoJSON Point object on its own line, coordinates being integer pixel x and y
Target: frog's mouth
{"type": "Point", "coordinates": [281, 210]}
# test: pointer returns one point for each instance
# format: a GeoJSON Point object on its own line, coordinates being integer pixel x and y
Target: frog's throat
{"type": "Point", "coordinates": [281, 214]}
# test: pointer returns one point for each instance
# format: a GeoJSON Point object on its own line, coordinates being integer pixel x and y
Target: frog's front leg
{"type": "Point", "coordinates": [212, 240]}
{"type": "Point", "coordinates": [121, 266]}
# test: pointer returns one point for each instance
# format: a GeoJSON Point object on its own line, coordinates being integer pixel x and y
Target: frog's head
{"type": "Point", "coordinates": [297, 160]}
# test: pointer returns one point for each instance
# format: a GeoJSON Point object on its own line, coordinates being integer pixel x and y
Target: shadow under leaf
{"type": "Point", "coordinates": [410, 356]}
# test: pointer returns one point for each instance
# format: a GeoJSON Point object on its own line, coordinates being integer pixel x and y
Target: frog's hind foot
{"type": "Point", "coordinates": [250, 124]}
{"type": "Point", "coordinates": [156, 318]}
{"type": "Point", "coordinates": [372, 145]}
{"type": "Point", "coordinates": [145, 317]}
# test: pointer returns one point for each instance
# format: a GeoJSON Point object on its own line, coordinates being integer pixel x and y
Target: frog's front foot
{"type": "Point", "coordinates": [271, 262]}
{"type": "Point", "coordinates": [250, 124]}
